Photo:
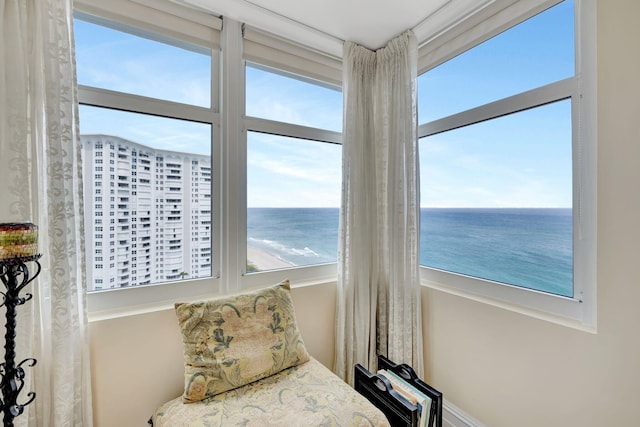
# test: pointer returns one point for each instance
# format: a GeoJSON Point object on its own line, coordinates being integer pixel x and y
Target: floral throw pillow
{"type": "Point", "coordinates": [235, 340]}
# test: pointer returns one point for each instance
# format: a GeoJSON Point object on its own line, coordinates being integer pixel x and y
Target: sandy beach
{"type": "Point", "coordinates": [264, 260]}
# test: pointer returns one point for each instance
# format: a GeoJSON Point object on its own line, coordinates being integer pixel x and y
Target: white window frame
{"type": "Point", "coordinates": [181, 25]}
{"type": "Point", "coordinates": [265, 53]}
{"type": "Point", "coordinates": [229, 145]}
{"type": "Point", "coordinates": [580, 310]}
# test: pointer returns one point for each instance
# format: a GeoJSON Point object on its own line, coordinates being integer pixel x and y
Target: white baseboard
{"type": "Point", "coordinates": [452, 416]}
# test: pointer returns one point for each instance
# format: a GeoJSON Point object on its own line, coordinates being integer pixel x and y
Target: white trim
{"type": "Point", "coordinates": [141, 104]}
{"type": "Point", "coordinates": [314, 274]}
{"type": "Point", "coordinates": [108, 305]}
{"type": "Point", "coordinates": [116, 300]}
{"type": "Point", "coordinates": [585, 154]}
{"type": "Point", "coordinates": [291, 130]}
{"type": "Point", "coordinates": [452, 416]}
{"type": "Point", "coordinates": [553, 92]}
{"type": "Point", "coordinates": [233, 168]}
{"type": "Point", "coordinates": [216, 201]}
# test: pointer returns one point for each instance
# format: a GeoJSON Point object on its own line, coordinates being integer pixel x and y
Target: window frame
{"type": "Point", "coordinates": [229, 132]}
{"type": "Point", "coordinates": [233, 157]}
{"type": "Point", "coordinates": [187, 28]}
{"type": "Point", "coordinates": [580, 310]}
{"type": "Point", "coordinates": [318, 273]}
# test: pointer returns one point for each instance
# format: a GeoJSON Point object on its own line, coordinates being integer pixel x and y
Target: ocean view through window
{"type": "Point", "coordinates": [152, 79]}
{"type": "Point", "coordinates": [293, 190]}
{"type": "Point", "coordinates": [294, 170]}
{"type": "Point", "coordinates": [530, 248]}
{"type": "Point", "coordinates": [497, 159]}
{"type": "Point", "coordinates": [287, 237]}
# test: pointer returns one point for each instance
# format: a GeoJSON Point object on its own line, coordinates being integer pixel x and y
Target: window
{"type": "Point", "coordinates": [506, 196]}
{"type": "Point", "coordinates": [183, 171]}
{"type": "Point", "coordinates": [293, 172]}
{"type": "Point", "coordinates": [144, 94]}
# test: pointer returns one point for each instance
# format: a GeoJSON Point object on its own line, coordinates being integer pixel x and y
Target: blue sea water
{"type": "Point", "coordinates": [532, 248]}
{"type": "Point", "coordinates": [302, 236]}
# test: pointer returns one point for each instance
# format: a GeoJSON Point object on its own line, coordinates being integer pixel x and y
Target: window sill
{"type": "Point", "coordinates": [512, 306]}
{"type": "Point", "coordinates": [116, 303]}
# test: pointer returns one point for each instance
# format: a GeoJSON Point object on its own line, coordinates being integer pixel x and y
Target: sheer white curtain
{"type": "Point", "coordinates": [378, 307]}
{"type": "Point", "coordinates": [40, 172]}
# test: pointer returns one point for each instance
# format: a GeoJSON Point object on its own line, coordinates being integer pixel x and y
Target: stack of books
{"type": "Point", "coordinates": [412, 394]}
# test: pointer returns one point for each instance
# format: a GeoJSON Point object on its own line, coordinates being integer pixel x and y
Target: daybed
{"type": "Point", "coordinates": [246, 365]}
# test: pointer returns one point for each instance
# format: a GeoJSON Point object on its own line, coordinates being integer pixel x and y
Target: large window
{"type": "Point", "coordinates": [183, 197]}
{"type": "Point", "coordinates": [293, 170]}
{"type": "Point", "coordinates": [148, 114]}
{"type": "Point", "coordinates": [503, 187]}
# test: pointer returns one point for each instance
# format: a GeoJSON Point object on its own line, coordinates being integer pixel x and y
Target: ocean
{"type": "Point", "coordinates": [302, 236]}
{"type": "Point", "coordinates": [531, 248]}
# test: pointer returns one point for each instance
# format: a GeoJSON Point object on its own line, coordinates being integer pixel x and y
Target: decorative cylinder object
{"type": "Point", "coordinates": [18, 241]}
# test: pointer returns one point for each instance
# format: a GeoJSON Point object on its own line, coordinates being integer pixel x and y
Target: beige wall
{"type": "Point", "coordinates": [506, 369]}
{"type": "Point", "coordinates": [136, 361]}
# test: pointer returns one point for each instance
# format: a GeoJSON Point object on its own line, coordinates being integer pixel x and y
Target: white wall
{"type": "Point", "coordinates": [506, 369]}
{"type": "Point", "coordinates": [137, 362]}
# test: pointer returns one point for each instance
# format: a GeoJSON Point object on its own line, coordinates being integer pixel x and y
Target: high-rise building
{"type": "Point", "coordinates": [147, 213]}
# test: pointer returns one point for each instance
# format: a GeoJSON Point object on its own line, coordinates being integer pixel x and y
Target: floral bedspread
{"type": "Point", "coordinates": [305, 395]}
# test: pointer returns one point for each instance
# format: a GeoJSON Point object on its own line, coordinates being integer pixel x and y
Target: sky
{"type": "Point", "coordinates": [522, 160]}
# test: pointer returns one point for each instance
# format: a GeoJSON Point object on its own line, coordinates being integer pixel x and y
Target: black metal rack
{"type": "Point", "coordinates": [398, 410]}
{"type": "Point", "coordinates": [14, 273]}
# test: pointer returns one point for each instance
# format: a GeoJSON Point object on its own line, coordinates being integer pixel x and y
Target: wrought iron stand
{"type": "Point", "coordinates": [15, 276]}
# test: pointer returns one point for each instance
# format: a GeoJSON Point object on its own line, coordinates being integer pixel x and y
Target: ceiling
{"type": "Point", "coordinates": [370, 23]}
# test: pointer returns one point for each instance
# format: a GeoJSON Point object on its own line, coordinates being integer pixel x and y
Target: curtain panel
{"type": "Point", "coordinates": [378, 306]}
{"type": "Point", "coordinates": [40, 168]}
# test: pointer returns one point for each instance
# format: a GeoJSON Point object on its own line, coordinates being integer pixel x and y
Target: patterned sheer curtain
{"type": "Point", "coordinates": [378, 307]}
{"type": "Point", "coordinates": [40, 176]}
